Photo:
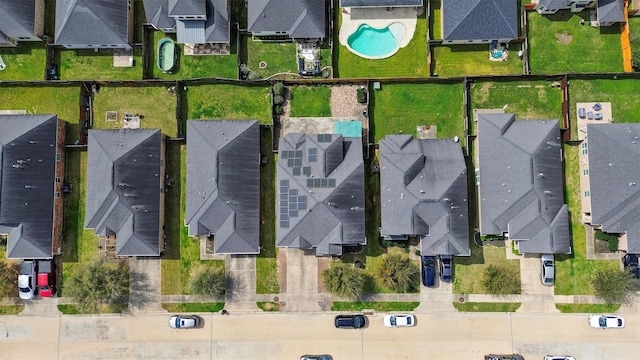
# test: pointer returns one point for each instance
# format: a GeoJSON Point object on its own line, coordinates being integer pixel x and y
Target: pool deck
{"type": "Point", "coordinates": [378, 18]}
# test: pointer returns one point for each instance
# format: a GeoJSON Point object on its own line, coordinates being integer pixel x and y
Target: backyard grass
{"type": "Point", "coordinates": [374, 305]}
{"type": "Point", "coordinates": [91, 65]}
{"type": "Point", "coordinates": [25, 62]}
{"type": "Point", "coordinates": [223, 101]}
{"type": "Point", "coordinates": [268, 306]}
{"type": "Point", "coordinates": [527, 99]}
{"type": "Point", "coordinates": [486, 307]}
{"type": "Point", "coordinates": [435, 26]}
{"type": "Point", "coordinates": [588, 308]}
{"type": "Point", "coordinates": [469, 271]}
{"type": "Point", "coordinates": [266, 262]}
{"type": "Point", "coordinates": [402, 107]}
{"type": "Point", "coordinates": [310, 101]}
{"type": "Point", "coordinates": [156, 104]}
{"type": "Point", "coordinates": [280, 57]}
{"type": "Point", "coordinates": [62, 101]}
{"type": "Point", "coordinates": [181, 259]}
{"type": "Point", "coordinates": [195, 66]}
{"type": "Point", "coordinates": [409, 61]}
{"type": "Point", "coordinates": [559, 44]}
{"type": "Point", "coordinates": [71, 309]}
{"type": "Point", "coordinates": [11, 309]}
{"type": "Point", "coordinates": [623, 94]}
{"type": "Point", "coordinates": [193, 307]}
{"type": "Point", "coordinates": [473, 59]}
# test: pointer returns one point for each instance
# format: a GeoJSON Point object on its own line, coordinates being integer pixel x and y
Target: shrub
{"type": "Point", "coordinates": [98, 283]}
{"type": "Point", "coordinates": [343, 280]}
{"type": "Point", "coordinates": [614, 286]}
{"type": "Point", "coordinates": [278, 99]}
{"type": "Point", "coordinates": [278, 110]}
{"type": "Point", "coordinates": [501, 280]}
{"type": "Point", "coordinates": [611, 239]}
{"type": "Point", "coordinates": [8, 275]}
{"type": "Point", "coordinates": [278, 89]}
{"type": "Point", "coordinates": [209, 282]}
{"type": "Point", "coordinates": [361, 94]}
{"type": "Point", "coordinates": [397, 272]}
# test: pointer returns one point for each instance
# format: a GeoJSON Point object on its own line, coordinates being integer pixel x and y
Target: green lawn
{"type": "Point", "coordinates": [469, 271]}
{"type": "Point", "coordinates": [11, 309]}
{"type": "Point", "coordinates": [89, 65]}
{"type": "Point", "coordinates": [624, 96]}
{"type": "Point", "coordinates": [402, 107]}
{"type": "Point", "coordinates": [268, 306]}
{"type": "Point", "coordinates": [374, 305]}
{"type": "Point", "coordinates": [588, 308]}
{"type": "Point", "coordinates": [62, 101]}
{"type": "Point", "coordinates": [70, 309]}
{"type": "Point", "coordinates": [279, 56]}
{"type": "Point", "coordinates": [181, 259]}
{"type": "Point", "coordinates": [409, 61]}
{"type": "Point", "coordinates": [473, 59]}
{"type": "Point", "coordinates": [25, 62]}
{"type": "Point", "coordinates": [310, 101]}
{"type": "Point", "coordinates": [486, 307]}
{"type": "Point", "coordinates": [229, 102]}
{"type": "Point", "coordinates": [195, 66]}
{"type": "Point", "coordinates": [435, 26]}
{"type": "Point", "coordinates": [527, 99]}
{"type": "Point", "coordinates": [156, 104]}
{"type": "Point", "coordinates": [559, 44]}
{"type": "Point", "coordinates": [193, 307]}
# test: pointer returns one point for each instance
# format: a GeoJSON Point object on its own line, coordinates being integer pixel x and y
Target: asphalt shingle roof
{"type": "Point", "coordinates": [379, 3]}
{"type": "Point", "coordinates": [223, 183]}
{"type": "Point", "coordinates": [216, 27]}
{"type": "Point", "coordinates": [554, 4]}
{"type": "Point", "coordinates": [301, 18]}
{"type": "Point", "coordinates": [610, 11]}
{"type": "Point", "coordinates": [424, 193]}
{"type": "Point", "coordinates": [91, 22]}
{"type": "Point", "coordinates": [480, 19]}
{"type": "Point", "coordinates": [521, 185]}
{"type": "Point", "coordinates": [17, 18]}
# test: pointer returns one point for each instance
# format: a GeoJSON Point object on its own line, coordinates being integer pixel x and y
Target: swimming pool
{"type": "Point", "coordinates": [373, 43]}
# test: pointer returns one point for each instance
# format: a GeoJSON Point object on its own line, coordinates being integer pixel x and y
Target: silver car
{"type": "Point", "coordinates": [548, 269]}
{"type": "Point", "coordinates": [184, 322]}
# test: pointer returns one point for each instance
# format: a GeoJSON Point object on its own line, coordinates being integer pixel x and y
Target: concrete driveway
{"type": "Point", "coordinates": [302, 281]}
{"type": "Point", "coordinates": [240, 273]}
{"type": "Point", "coordinates": [540, 296]}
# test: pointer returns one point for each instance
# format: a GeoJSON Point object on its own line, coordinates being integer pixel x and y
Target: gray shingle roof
{"type": "Point", "coordinates": [614, 177]}
{"type": "Point", "coordinates": [610, 11]}
{"type": "Point", "coordinates": [379, 3]}
{"type": "Point", "coordinates": [17, 18]}
{"type": "Point", "coordinates": [28, 153]}
{"type": "Point", "coordinates": [124, 181]}
{"type": "Point", "coordinates": [320, 197]}
{"type": "Point", "coordinates": [554, 4]}
{"type": "Point", "coordinates": [480, 19]}
{"type": "Point", "coordinates": [91, 22]}
{"type": "Point", "coordinates": [521, 186]}
{"type": "Point", "coordinates": [301, 18]}
{"type": "Point", "coordinates": [187, 7]}
{"type": "Point", "coordinates": [157, 13]}
{"type": "Point", "coordinates": [424, 193]}
{"type": "Point", "coordinates": [216, 27]}
{"type": "Point", "coordinates": [223, 183]}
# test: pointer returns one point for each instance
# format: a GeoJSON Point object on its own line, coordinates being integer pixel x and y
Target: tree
{"type": "Point", "coordinates": [501, 280]}
{"type": "Point", "coordinates": [343, 280]}
{"type": "Point", "coordinates": [397, 272]}
{"type": "Point", "coordinates": [209, 282]}
{"type": "Point", "coordinates": [9, 278]}
{"type": "Point", "coordinates": [614, 286]}
{"type": "Point", "coordinates": [98, 283]}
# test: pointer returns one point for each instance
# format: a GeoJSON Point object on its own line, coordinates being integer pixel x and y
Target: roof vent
{"type": "Point", "coordinates": [632, 184]}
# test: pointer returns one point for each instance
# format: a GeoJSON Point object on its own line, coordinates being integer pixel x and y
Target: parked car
{"type": "Point", "coordinates": [184, 322]}
{"type": "Point", "coordinates": [429, 271]}
{"type": "Point", "coordinates": [400, 320]}
{"type": "Point", "coordinates": [350, 321]}
{"type": "Point", "coordinates": [316, 357]}
{"type": "Point", "coordinates": [566, 357]}
{"type": "Point", "coordinates": [27, 279]}
{"type": "Point", "coordinates": [630, 262]}
{"type": "Point", "coordinates": [547, 269]}
{"type": "Point", "coordinates": [503, 357]}
{"type": "Point", "coordinates": [606, 321]}
{"type": "Point", "coordinates": [446, 268]}
{"type": "Point", "coordinates": [46, 278]}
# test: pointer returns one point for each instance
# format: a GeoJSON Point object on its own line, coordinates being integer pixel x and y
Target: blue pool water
{"type": "Point", "coordinates": [497, 54]}
{"type": "Point", "coordinates": [372, 42]}
{"type": "Point", "coordinates": [348, 128]}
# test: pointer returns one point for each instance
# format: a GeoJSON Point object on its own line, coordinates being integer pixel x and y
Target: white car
{"type": "Point", "coordinates": [184, 322]}
{"type": "Point", "coordinates": [401, 320]}
{"type": "Point", "coordinates": [606, 321]}
{"type": "Point", "coordinates": [566, 357]}
{"type": "Point", "coordinates": [27, 279]}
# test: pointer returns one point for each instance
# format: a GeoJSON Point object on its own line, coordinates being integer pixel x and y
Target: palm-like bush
{"type": "Point", "coordinates": [343, 280]}
{"type": "Point", "coordinates": [397, 272]}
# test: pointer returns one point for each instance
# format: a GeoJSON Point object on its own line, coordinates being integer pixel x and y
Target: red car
{"type": "Point", "coordinates": [46, 278]}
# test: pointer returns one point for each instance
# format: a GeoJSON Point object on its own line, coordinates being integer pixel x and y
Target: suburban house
{"type": "Point", "coordinates": [281, 20]}
{"type": "Point", "coordinates": [193, 21]}
{"type": "Point", "coordinates": [31, 185]}
{"type": "Point", "coordinates": [610, 179]}
{"type": "Point", "coordinates": [380, 3]}
{"type": "Point", "coordinates": [94, 24]}
{"type": "Point", "coordinates": [223, 184]}
{"type": "Point", "coordinates": [125, 189]}
{"type": "Point", "coordinates": [608, 12]}
{"type": "Point", "coordinates": [21, 21]}
{"type": "Point", "coordinates": [424, 193]}
{"type": "Point", "coordinates": [520, 191]}
{"type": "Point", "coordinates": [552, 6]}
{"type": "Point", "coordinates": [479, 21]}
{"type": "Point", "coordinates": [320, 199]}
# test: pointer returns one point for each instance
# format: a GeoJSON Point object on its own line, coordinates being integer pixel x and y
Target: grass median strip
{"type": "Point", "coordinates": [71, 309]}
{"type": "Point", "coordinates": [486, 307]}
{"type": "Point", "coordinates": [212, 307]}
{"type": "Point", "coordinates": [374, 305]}
{"type": "Point", "coordinates": [588, 308]}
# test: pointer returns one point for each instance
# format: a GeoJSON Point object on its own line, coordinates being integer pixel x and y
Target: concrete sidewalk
{"type": "Point", "coordinates": [144, 293]}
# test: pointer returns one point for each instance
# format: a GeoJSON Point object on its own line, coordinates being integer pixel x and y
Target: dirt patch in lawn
{"type": "Point", "coordinates": [564, 38]}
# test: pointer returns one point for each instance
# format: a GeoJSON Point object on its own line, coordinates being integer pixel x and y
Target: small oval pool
{"type": "Point", "coordinates": [375, 43]}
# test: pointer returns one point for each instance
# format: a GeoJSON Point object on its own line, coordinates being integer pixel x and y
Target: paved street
{"type": "Point", "coordinates": [289, 335]}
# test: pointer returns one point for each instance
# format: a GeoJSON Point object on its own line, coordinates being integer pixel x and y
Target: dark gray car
{"type": "Point", "coordinates": [350, 321]}
{"type": "Point", "coordinates": [446, 268]}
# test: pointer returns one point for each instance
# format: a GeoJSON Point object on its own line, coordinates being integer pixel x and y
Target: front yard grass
{"type": "Point", "coordinates": [374, 305]}
{"type": "Point", "coordinates": [402, 107]}
{"type": "Point", "coordinates": [559, 44]}
{"type": "Point", "coordinates": [268, 306]}
{"type": "Point", "coordinates": [25, 62]}
{"type": "Point", "coordinates": [71, 309]}
{"type": "Point", "coordinates": [223, 101]}
{"type": "Point", "coordinates": [310, 101]}
{"type": "Point", "coordinates": [473, 59]}
{"type": "Point", "coordinates": [409, 61]}
{"type": "Point", "coordinates": [11, 309]}
{"type": "Point", "coordinates": [588, 308]}
{"type": "Point", "coordinates": [91, 65]}
{"type": "Point", "coordinates": [280, 57]}
{"type": "Point", "coordinates": [486, 307]}
{"type": "Point", "coordinates": [469, 271]}
{"type": "Point", "coordinates": [156, 104]}
{"type": "Point", "coordinates": [213, 307]}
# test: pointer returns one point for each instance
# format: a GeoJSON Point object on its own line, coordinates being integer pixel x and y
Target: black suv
{"type": "Point", "coordinates": [350, 321]}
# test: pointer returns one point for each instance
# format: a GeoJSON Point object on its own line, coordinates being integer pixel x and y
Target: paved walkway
{"type": "Point", "coordinates": [145, 285]}
{"type": "Point", "coordinates": [241, 283]}
{"type": "Point", "coordinates": [302, 282]}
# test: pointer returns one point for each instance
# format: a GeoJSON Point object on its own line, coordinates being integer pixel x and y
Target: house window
{"type": "Point", "coordinates": [585, 172]}
{"type": "Point", "coordinates": [542, 8]}
{"type": "Point", "coordinates": [56, 194]}
{"type": "Point", "coordinates": [58, 157]}
{"type": "Point", "coordinates": [129, 5]}
{"type": "Point", "coordinates": [587, 194]}
{"type": "Point", "coordinates": [58, 180]}
{"type": "Point", "coordinates": [585, 149]}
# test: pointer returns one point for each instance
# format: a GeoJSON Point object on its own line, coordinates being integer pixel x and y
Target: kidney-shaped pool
{"type": "Point", "coordinates": [373, 43]}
